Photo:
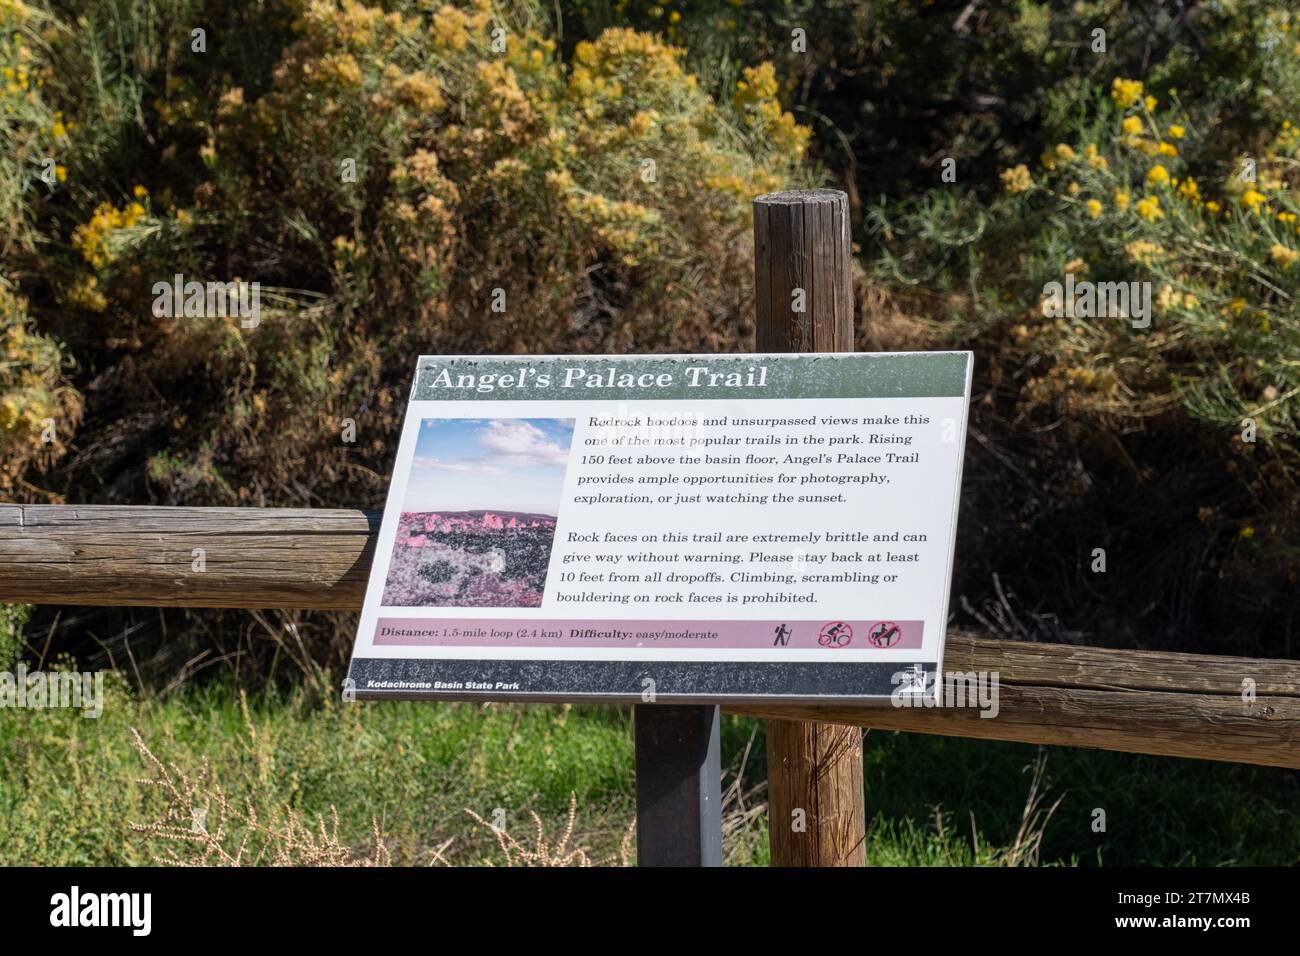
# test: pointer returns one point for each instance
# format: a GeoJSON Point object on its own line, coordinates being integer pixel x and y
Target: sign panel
{"type": "Point", "coordinates": [681, 528]}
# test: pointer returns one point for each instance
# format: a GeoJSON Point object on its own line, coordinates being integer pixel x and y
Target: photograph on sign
{"type": "Point", "coordinates": [677, 528]}
{"type": "Point", "coordinates": [478, 518]}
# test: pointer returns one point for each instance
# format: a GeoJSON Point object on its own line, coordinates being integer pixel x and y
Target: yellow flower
{"type": "Point", "coordinates": [1094, 209]}
{"type": "Point", "coordinates": [9, 415]}
{"type": "Point", "coordinates": [1095, 159]}
{"type": "Point", "coordinates": [1189, 189]}
{"type": "Point", "coordinates": [84, 292]}
{"type": "Point", "coordinates": [1074, 189]}
{"type": "Point", "coordinates": [1125, 92]}
{"type": "Point", "coordinates": [1212, 206]}
{"type": "Point", "coordinates": [1065, 152]}
{"type": "Point", "coordinates": [61, 173]}
{"type": "Point", "coordinates": [140, 192]}
{"type": "Point", "coordinates": [1167, 149]}
{"type": "Point", "coordinates": [59, 130]}
{"type": "Point", "coordinates": [1158, 175]}
{"type": "Point", "coordinates": [1176, 131]}
{"type": "Point", "coordinates": [1167, 298]}
{"type": "Point", "coordinates": [1287, 217]}
{"type": "Point", "coordinates": [1144, 252]}
{"type": "Point", "coordinates": [1283, 256]}
{"type": "Point", "coordinates": [1121, 199]}
{"type": "Point", "coordinates": [1151, 104]}
{"type": "Point", "coordinates": [1252, 199]}
{"type": "Point", "coordinates": [1149, 209]}
{"type": "Point", "coordinates": [1132, 125]}
{"type": "Point", "coordinates": [1247, 532]}
{"type": "Point", "coordinates": [1017, 179]}
{"type": "Point", "coordinates": [756, 97]}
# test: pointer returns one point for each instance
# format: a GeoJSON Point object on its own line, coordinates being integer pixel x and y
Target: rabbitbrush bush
{"type": "Point", "coordinates": [1199, 197]}
{"type": "Point", "coordinates": [34, 394]}
{"type": "Point", "coordinates": [404, 178]}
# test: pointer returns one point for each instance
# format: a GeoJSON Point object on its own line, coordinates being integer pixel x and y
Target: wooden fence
{"type": "Point", "coordinates": [1181, 705]}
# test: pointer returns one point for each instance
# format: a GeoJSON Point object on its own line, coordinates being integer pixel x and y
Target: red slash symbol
{"type": "Point", "coordinates": [885, 634]}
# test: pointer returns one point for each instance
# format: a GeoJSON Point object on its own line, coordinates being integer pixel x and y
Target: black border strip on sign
{"type": "Point", "coordinates": [624, 681]}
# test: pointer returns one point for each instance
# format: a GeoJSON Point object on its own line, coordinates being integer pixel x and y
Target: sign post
{"type": "Point", "coordinates": [803, 292]}
{"type": "Point", "coordinates": [678, 786]}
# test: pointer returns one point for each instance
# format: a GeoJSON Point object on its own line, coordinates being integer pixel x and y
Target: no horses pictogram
{"type": "Point", "coordinates": [884, 634]}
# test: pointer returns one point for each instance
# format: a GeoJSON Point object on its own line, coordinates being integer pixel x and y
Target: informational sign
{"type": "Point", "coordinates": [670, 528]}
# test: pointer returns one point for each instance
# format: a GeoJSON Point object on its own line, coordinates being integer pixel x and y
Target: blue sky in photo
{"type": "Point", "coordinates": [492, 464]}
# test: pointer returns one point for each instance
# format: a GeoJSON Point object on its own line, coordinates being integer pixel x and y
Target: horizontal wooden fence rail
{"type": "Point", "coordinates": [1183, 705]}
{"type": "Point", "coordinates": [314, 559]}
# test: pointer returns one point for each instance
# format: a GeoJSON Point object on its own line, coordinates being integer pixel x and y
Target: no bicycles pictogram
{"type": "Point", "coordinates": [835, 634]}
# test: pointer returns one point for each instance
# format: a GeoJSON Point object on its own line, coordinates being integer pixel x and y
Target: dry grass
{"type": "Point", "coordinates": [561, 852]}
{"type": "Point", "coordinates": [200, 825]}
{"type": "Point", "coordinates": [203, 827]}
{"type": "Point", "coordinates": [1026, 848]}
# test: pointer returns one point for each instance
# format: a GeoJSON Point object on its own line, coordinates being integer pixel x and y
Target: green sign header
{"type": "Point", "coordinates": [651, 377]}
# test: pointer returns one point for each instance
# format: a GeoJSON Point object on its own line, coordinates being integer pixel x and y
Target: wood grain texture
{"type": "Point", "coordinates": [802, 252]}
{"type": "Point", "coordinates": [814, 819]}
{"type": "Point", "coordinates": [802, 241]}
{"type": "Point", "coordinates": [1182, 705]}
{"type": "Point", "coordinates": [1170, 704]}
{"type": "Point", "coordinates": [252, 557]}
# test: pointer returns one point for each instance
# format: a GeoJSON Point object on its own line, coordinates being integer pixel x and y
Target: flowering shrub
{"type": "Point", "coordinates": [618, 160]}
{"type": "Point", "coordinates": [1123, 204]}
{"type": "Point", "coordinates": [35, 401]}
{"type": "Point", "coordinates": [1201, 200]}
{"type": "Point", "coordinates": [408, 177]}
{"type": "Point", "coordinates": [32, 132]}
{"type": "Point", "coordinates": [33, 389]}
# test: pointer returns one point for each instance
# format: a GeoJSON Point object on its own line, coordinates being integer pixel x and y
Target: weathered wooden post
{"type": "Point", "coordinates": [804, 303]}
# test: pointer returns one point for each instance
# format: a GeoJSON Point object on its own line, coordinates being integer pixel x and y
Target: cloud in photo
{"type": "Point", "coordinates": [494, 464]}
{"type": "Point", "coordinates": [460, 467]}
{"type": "Point", "coordinates": [520, 442]}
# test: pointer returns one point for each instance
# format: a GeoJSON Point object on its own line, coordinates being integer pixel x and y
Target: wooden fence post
{"type": "Point", "coordinates": [804, 303]}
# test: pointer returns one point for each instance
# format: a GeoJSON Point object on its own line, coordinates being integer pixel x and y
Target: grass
{"type": "Point", "coordinates": [70, 788]}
